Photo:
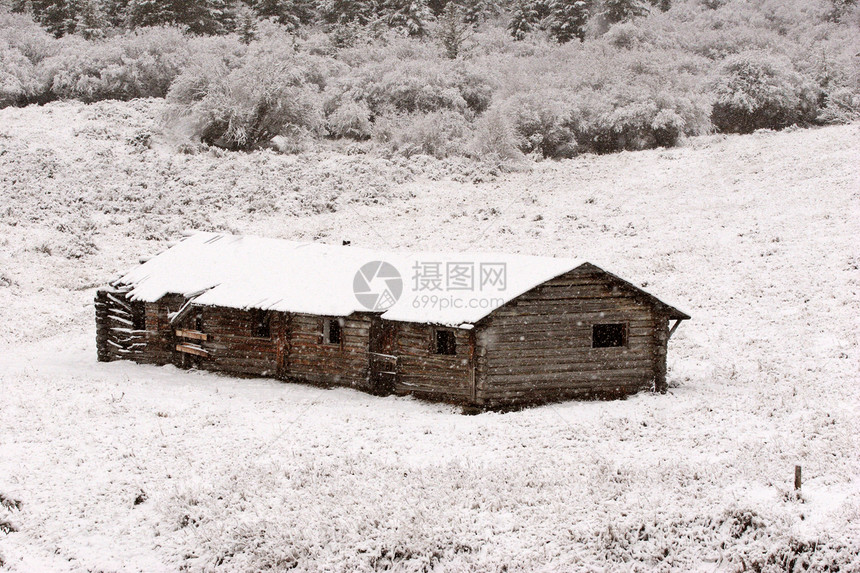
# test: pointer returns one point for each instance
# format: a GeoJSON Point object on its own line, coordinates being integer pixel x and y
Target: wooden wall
{"type": "Point", "coordinates": [424, 373]}
{"type": "Point", "coordinates": [230, 342]}
{"type": "Point", "coordinates": [344, 364]}
{"type": "Point", "coordinates": [294, 349]}
{"type": "Point", "coordinates": [159, 333]}
{"type": "Point", "coordinates": [539, 347]}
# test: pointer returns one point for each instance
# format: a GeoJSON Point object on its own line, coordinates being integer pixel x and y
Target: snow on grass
{"type": "Point", "coordinates": [126, 467]}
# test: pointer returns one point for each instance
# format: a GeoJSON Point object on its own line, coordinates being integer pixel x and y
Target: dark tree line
{"type": "Point", "coordinates": [565, 20]}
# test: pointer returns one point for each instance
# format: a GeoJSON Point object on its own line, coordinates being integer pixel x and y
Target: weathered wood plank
{"type": "Point", "coordinates": [190, 349]}
{"type": "Point", "coordinates": [192, 334]}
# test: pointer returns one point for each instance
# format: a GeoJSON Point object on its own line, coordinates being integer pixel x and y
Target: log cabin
{"type": "Point", "coordinates": [479, 329]}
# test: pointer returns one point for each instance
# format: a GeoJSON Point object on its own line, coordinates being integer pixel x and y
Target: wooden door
{"type": "Point", "coordinates": [383, 356]}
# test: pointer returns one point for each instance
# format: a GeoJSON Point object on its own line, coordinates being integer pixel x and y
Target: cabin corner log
{"type": "Point", "coordinates": [115, 336]}
{"type": "Point", "coordinates": [661, 337]}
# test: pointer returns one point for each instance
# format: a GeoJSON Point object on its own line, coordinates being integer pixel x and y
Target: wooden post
{"type": "Point", "coordinates": [797, 476]}
{"type": "Point", "coordinates": [661, 341]}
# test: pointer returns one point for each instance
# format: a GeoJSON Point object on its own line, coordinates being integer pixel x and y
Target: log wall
{"type": "Point", "coordinates": [229, 344]}
{"type": "Point", "coordinates": [226, 342]}
{"type": "Point", "coordinates": [312, 359]}
{"type": "Point", "coordinates": [422, 372]}
{"type": "Point", "coordinates": [539, 347]}
{"type": "Point", "coordinates": [160, 342]}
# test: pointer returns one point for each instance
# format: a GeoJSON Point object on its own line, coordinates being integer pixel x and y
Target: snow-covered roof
{"type": "Point", "coordinates": [456, 289]}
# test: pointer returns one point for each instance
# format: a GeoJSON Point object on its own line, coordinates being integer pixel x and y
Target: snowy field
{"type": "Point", "coordinates": [120, 467]}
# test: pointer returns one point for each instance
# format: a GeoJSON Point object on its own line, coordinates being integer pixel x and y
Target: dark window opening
{"type": "Point", "coordinates": [138, 318]}
{"type": "Point", "coordinates": [608, 335]}
{"type": "Point", "coordinates": [332, 331]}
{"type": "Point", "coordinates": [446, 342]}
{"type": "Point", "coordinates": [261, 328]}
{"type": "Point", "coordinates": [198, 323]}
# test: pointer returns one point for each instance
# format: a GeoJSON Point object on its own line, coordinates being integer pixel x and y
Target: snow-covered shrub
{"type": "Point", "coordinates": [21, 33]}
{"type": "Point", "coordinates": [410, 79]}
{"type": "Point", "coordinates": [136, 64]}
{"type": "Point", "coordinates": [439, 133]}
{"type": "Point", "coordinates": [408, 87]}
{"type": "Point", "coordinates": [495, 141]}
{"type": "Point", "coordinates": [140, 140]}
{"type": "Point", "coordinates": [244, 107]}
{"type": "Point", "coordinates": [350, 119]}
{"type": "Point", "coordinates": [19, 81]}
{"type": "Point", "coordinates": [757, 90]}
{"type": "Point", "coordinates": [627, 35]}
{"type": "Point", "coordinates": [476, 89]}
{"type": "Point", "coordinates": [633, 118]}
{"type": "Point", "coordinates": [841, 105]}
{"type": "Point", "coordinates": [23, 44]}
{"type": "Point", "coordinates": [539, 121]}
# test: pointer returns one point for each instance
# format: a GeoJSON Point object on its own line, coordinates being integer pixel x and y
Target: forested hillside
{"type": "Point", "coordinates": [496, 80]}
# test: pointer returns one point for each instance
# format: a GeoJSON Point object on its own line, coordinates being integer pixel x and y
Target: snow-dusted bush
{"type": "Point", "coordinates": [407, 87]}
{"type": "Point", "coordinates": [416, 81]}
{"type": "Point", "coordinates": [244, 101]}
{"type": "Point", "coordinates": [19, 81]}
{"type": "Point", "coordinates": [539, 122]}
{"type": "Point", "coordinates": [495, 141]}
{"type": "Point", "coordinates": [23, 44]}
{"type": "Point", "coordinates": [142, 63]}
{"type": "Point", "coordinates": [350, 119]}
{"type": "Point", "coordinates": [21, 33]}
{"type": "Point", "coordinates": [756, 90]}
{"type": "Point", "coordinates": [841, 105]}
{"type": "Point", "coordinates": [439, 133]}
{"type": "Point", "coordinates": [634, 118]}
{"type": "Point", "coordinates": [476, 88]}
{"type": "Point", "coordinates": [627, 35]}
{"type": "Point", "coordinates": [244, 107]}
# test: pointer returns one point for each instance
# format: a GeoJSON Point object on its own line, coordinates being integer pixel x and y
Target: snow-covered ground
{"type": "Point", "coordinates": [125, 467]}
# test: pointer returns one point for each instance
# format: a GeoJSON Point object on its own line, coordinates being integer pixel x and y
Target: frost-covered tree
{"type": "Point", "coordinates": [90, 21]}
{"type": "Point", "coordinates": [476, 11]}
{"type": "Point", "coordinates": [409, 15]}
{"type": "Point", "coordinates": [245, 24]}
{"type": "Point", "coordinates": [359, 12]}
{"type": "Point", "coordinates": [150, 13]}
{"type": "Point", "coordinates": [526, 16]}
{"type": "Point", "coordinates": [452, 29]}
{"type": "Point", "coordinates": [615, 11]}
{"type": "Point", "coordinates": [57, 16]}
{"type": "Point", "coordinates": [290, 13]}
{"type": "Point", "coordinates": [563, 19]}
{"type": "Point", "coordinates": [568, 19]}
{"type": "Point", "coordinates": [115, 12]}
{"type": "Point", "coordinates": [199, 16]}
